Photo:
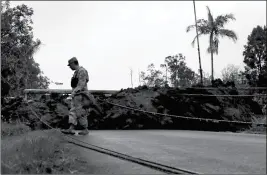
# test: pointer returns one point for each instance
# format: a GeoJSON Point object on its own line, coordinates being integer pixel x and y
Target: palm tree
{"type": "Point", "coordinates": [215, 29]}
{"type": "Point", "coordinates": [199, 59]}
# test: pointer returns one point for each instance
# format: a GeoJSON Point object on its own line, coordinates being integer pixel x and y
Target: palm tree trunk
{"type": "Point", "coordinates": [211, 53]}
{"type": "Point", "coordinates": [212, 69]}
{"type": "Point", "coordinates": [200, 68]}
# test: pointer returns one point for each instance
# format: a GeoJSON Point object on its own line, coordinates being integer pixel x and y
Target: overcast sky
{"type": "Point", "coordinates": [109, 38]}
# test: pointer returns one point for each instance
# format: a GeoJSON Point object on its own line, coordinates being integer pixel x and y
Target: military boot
{"type": "Point", "coordinates": [70, 130]}
{"type": "Point", "coordinates": [84, 132]}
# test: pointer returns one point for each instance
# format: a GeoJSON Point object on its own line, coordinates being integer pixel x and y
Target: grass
{"type": "Point", "coordinates": [256, 128]}
{"type": "Point", "coordinates": [37, 152]}
{"type": "Point", "coordinates": [13, 129]}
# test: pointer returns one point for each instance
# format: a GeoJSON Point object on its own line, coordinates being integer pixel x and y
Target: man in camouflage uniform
{"type": "Point", "coordinates": [81, 98]}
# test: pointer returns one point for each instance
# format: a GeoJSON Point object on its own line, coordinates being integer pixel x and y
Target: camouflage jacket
{"type": "Point", "coordinates": [79, 80]}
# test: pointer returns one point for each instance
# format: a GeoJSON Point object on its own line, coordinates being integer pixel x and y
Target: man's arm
{"type": "Point", "coordinates": [82, 77]}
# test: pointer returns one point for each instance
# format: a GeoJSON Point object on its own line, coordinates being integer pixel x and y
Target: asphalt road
{"type": "Point", "coordinates": [203, 152]}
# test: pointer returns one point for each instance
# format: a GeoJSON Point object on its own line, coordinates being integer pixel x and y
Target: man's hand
{"type": "Point", "coordinates": [72, 94]}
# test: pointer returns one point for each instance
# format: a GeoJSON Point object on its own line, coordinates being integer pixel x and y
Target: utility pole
{"type": "Point", "coordinates": [200, 67]}
{"type": "Point", "coordinates": [139, 77]}
{"type": "Point", "coordinates": [131, 77]}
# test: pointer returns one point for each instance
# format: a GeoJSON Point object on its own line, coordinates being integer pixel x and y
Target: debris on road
{"type": "Point", "coordinates": [54, 110]}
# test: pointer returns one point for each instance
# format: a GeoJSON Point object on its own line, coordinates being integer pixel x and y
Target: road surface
{"type": "Point", "coordinates": [203, 152]}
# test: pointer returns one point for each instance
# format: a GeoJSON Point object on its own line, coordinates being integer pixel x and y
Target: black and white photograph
{"type": "Point", "coordinates": [133, 87]}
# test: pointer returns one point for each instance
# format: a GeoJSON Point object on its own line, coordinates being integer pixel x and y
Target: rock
{"type": "Point", "coordinates": [160, 109]}
{"type": "Point", "coordinates": [129, 120]}
{"type": "Point", "coordinates": [140, 126]}
{"type": "Point", "coordinates": [114, 116]}
{"type": "Point", "coordinates": [120, 95]}
{"type": "Point", "coordinates": [212, 107]}
{"type": "Point", "coordinates": [232, 113]}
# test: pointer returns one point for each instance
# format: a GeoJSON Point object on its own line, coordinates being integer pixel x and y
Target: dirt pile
{"type": "Point", "coordinates": [121, 118]}
{"type": "Point", "coordinates": [162, 100]}
{"type": "Point", "coordinates": [54, 111]}
{"type": "Point", "coordinates": [172, 101]}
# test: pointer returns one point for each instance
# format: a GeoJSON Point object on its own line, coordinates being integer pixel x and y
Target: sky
{"type": "Point", "coordinates": [111, 37]}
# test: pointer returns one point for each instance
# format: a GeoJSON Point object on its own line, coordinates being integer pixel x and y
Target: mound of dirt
{"type": "Point", "coordinates": [172, 101]}
{"type": "Point", "coordinates": [54, 110]}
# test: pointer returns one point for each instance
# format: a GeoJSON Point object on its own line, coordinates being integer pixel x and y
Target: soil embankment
{"type": "Point", "coordinates": [162, 100]}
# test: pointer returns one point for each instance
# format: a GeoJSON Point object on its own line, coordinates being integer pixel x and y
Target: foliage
{"type": "Point", "coordinates": [214, 27]}
{"type": "Point", "coordinates": [179, 74]}
{"type": "Point", "coordinates": [231, 73]}
{"type": "Point", "coordinates": [154, 77]}
{"type": "Point", "coordinates": [18, 68]}
{"type": "Point", "coordinates": [206, 78]}
{"type": "Point", "coordinates": [165, 67]}
{"type": "Point", "coordinates": [255, 57]}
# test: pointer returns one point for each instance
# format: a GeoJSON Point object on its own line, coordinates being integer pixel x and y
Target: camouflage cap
{"type": "Point", "coordinates": [73, 59]}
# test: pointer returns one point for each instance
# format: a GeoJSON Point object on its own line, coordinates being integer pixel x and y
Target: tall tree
{"type": "Point", "coordinates": [172, 63]}
{"type": "Point", "coordinates": [143, 80]}
{"type": "Point", "coordinates": [18, 68]}
{"type": "Point", "coordinates": [199, 59]}
{"type": "Point", "coordinates": [153, 78]}
{"type": "Point", "coordinates": [214, 27]}
{"type": "Point", "coordinates": [255, 57]}
{"type": "Point", "coordinates": [180, 74]}
{"type": "Point", "coordinates": [165, 66]}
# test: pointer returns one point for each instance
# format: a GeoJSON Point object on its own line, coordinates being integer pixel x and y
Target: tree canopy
{"type": "Point", "coordinates": [175, 66]}
{"type": "Point", "coordinates": [255, 57]}
{"type": "Point", "coordinates": [18, 46]}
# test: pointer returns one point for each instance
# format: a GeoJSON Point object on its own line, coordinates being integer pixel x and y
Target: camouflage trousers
{"type": "Point", "coordinates": [78, 114]}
